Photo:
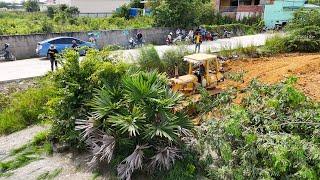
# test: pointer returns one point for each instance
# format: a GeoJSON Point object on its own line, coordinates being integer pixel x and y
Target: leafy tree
{"type": "Point", "coordinates": [32, 5]}
{"type": "Point", "coordinates": [50, 11]}
{"type": "Point", "coordinates": [176, 13]}
{"type": "Point", "coordinates": [63, 13]}
{"type": "Point", "coordinates": [123, 12]}
{"type": "Point", "coordinates": [136, 4]}
{"type": "Point", "coordinates": [303, 18]}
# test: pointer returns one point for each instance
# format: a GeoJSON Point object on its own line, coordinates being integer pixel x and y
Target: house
{"type": "Point", "coordinates": [274, 12]}
{"type": "Point", "coordinates": [92, 7]}
{"type": "Point", "coordinates": [239, 9]}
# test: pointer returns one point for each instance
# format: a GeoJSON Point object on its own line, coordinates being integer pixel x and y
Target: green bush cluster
{"type": "Point", "coordinates": [149, 60]}
{"type": "Point", "coordinates": [25, 108]}
{"type": "Point", "coordinates": [237, 29]}
{"type": "Point", "coordinates": [192, 13]}
{"type": "Point", "coordinates": [272, 134]}
{"type": "Point", "coordinates": [12, 23]}
{"type": "Point", "coordinates": [76, 82]}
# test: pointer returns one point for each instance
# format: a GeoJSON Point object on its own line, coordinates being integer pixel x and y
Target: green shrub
{"type": "Point", "coordinates": [26, 23]}
{"type": "Point", "coordinates": [182, 169]}
{"type": "Point", "coordinates": [272, 134]}
{"type": "Point", "coordinates": [26, 108]}
{"type": "Point", "coordinates": [76, 82]}
{"type": "Point", "coordinates": [304, 18]}
{"type": "Point", "coordinates": [172, 57]}
{"type": "Point", "coordinates": [4, 101]}
{"type": "Point", "coordinates": [276, 44]}
{"type": "Point", "coordinates": [237, 28]}
{"type": "Point", "coordinates": [149, 59]}
{"type": "Point", "coordinates": [306, 39]}
{"type": "Point", "coordinates": [136, 117]}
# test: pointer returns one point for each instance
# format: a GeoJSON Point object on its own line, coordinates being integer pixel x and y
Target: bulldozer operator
{"type": "Point", "coordinates": [200, 71]}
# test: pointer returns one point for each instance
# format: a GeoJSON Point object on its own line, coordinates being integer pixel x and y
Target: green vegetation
{"type": "Point", "coordinates": [182, 14]}
{"type": "Point", "coordinates": [236, 28]}
{"type": "Point", "coordinates": [149, 60]}
{"type": "Point", "coordinates": [24, 108]}
{"type": "Point", "coordinates": [235, 76]}
{"type": "Point", "coordinates": [275, 45]}
{"type": "Point", "coordinates": [50, 175]}
{"type": "Point", "coordinates": [272, 134]}
{"type": "Point", "coordinates": [26, 23]}
{"type": "Point", "coordinates": [27, 154]}
{"type": "Point", "coordinates": [76, 83]}
{"type": "Point", "coordinates": [192, 13]}
{"type": "Point", "coordinates": [31, 5]}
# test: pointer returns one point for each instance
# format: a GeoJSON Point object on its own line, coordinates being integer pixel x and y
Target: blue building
{"type": "Point", "coordinates": [279, 12]}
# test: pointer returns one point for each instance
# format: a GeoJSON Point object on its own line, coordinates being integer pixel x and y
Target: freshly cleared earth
{"type": "Point", "coordinates": [275, 69]}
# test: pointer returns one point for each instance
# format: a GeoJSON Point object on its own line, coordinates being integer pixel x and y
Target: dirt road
{"type": "Point", "coordinates": [275, 69]}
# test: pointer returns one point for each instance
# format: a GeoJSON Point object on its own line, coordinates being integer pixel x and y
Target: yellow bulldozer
{"type": "Point", "coordinates": [204, 70]}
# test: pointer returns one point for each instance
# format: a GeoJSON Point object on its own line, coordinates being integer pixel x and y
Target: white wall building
{"type": "Point", "coordinates": [91, 6]}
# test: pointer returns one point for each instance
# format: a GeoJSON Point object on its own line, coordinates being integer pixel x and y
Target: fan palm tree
{"type": "Point", "coordinates": [140, 112]}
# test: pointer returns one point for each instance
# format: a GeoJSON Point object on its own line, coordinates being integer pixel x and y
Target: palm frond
{"type": "Point", "coordinates": [131, 122]}
{"type": "Point", "coordinates": [131, 163]}
{"type": "Point", "coordinates": [104, 102]}
{"type": "Point", "coordinates": [86, 126]}
{"type": "Point", "coordinates": [101, 146]}
{"type": "Point", "coordinates": [162, 124]}
{"type": "Point", "coordinates": [143, 86]}
{"type": "Point", "coordinates": [165, 158]}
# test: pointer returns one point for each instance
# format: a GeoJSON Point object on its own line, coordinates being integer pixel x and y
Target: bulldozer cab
{"type": "Point", "coordinates": [203, 70]}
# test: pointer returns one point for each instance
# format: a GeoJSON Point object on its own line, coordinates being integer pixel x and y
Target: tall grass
{"type": "Point", "coordinates": [173, 57]}
{"type": "Point", "coordinates": [149, 60]}
{"type": "Point", "coordinates": [25, 108]}
{"type": "Point", "coordinates": [275, 45]}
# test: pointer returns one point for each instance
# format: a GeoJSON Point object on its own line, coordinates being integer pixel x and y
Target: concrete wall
{"type": "Point", "coordinates": [24, 46]}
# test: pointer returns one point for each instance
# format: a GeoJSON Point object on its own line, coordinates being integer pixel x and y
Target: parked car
{"type": "Point", "coordinates": [61, 43]}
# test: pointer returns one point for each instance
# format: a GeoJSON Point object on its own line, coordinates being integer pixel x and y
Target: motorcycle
{"type": "Point", "coordinates": [6, 55]}
{"type": "Point", "coordinates": [132, 43]}
{"type": "Point", "coordinates": [227, 34]}
{"type": "Point", "coordinates": [177, 39]}
{"type": "Point", "coordinates": [215, 36]}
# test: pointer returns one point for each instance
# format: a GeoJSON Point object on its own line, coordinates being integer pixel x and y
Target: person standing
{"type": "Point", "coordinates": [198, 42]}
{"type": "Point", "coordinates": [52, 53]}
{"type": "Point", "coordinates": [176, 71]}
{"type": "Point", "coordinates": [190, 35]}
{"type": "Point", "coordinates": [74, 45]}
{"type": "Point", "coordinates": [139, 38]}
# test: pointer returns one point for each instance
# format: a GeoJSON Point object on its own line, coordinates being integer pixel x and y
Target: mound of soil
{"type": "Point", "coordinates": [275, 69]}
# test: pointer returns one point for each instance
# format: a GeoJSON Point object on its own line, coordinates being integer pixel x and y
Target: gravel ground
{"type": "Point", "coordinates": [72, 167]}
{"type": "Point", "coordinates": [17, 139]}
